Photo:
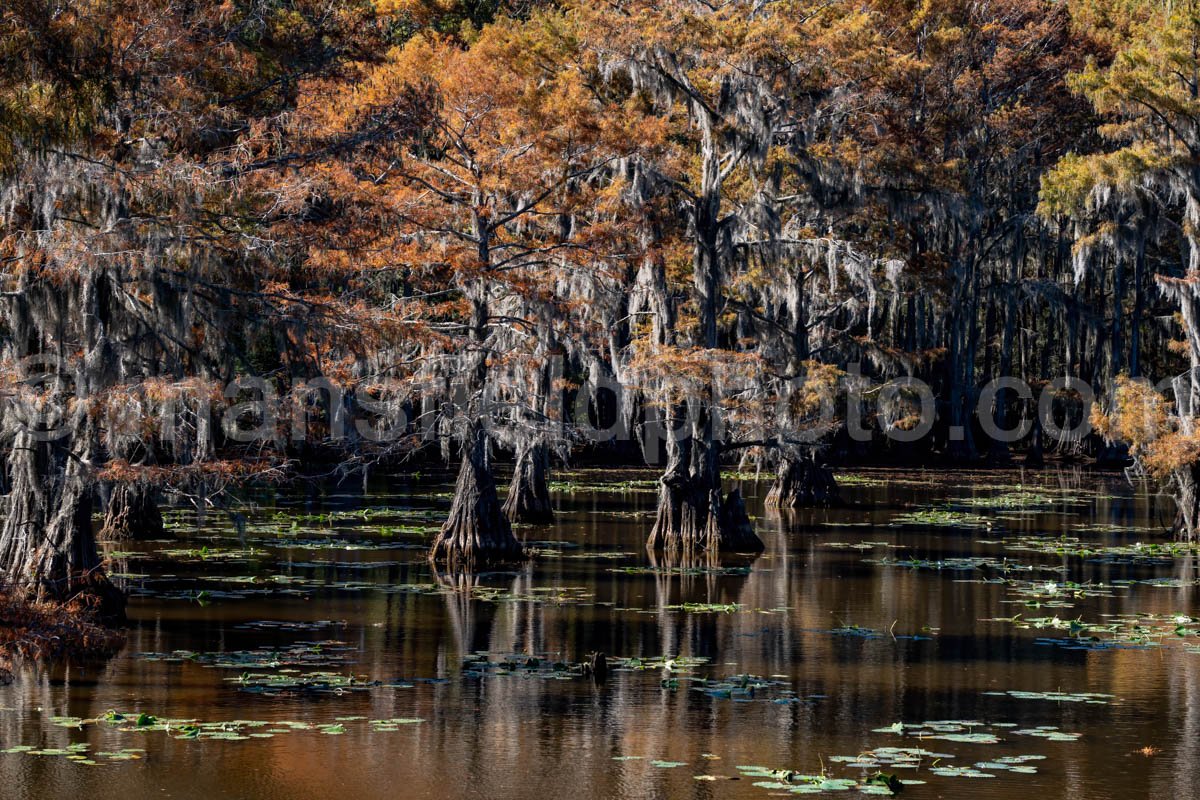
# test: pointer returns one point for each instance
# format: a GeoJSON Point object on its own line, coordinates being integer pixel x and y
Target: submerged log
{"type": "Point", "coordinates": [476, 531]}
{"type": "Point", "coordinates": [802, 482]}
{"type": "Point", "coordinates": [132, 514]}
{"type": "Point", "coordinates": [529, 494]}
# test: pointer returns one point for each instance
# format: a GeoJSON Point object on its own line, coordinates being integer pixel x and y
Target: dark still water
{"type": "Point", "coordinates": [974, 634]}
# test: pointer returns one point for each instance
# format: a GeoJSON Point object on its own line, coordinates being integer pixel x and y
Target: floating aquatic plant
{"type": "Point", "coordinates": [1017, 499]}
{"type": "Point", "coordinates": [614, 487]}
{"type": "Point", "coordinates": [1093, 698]}
{"type": "Point", "coordinates": [941, 518]}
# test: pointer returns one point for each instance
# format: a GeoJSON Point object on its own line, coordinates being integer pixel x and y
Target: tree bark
{"type": "Point", "coordinates": [963, 332]}
{"type": "Point", "coordinates": [529, 493]}
{"type": "Point", "coordinates": [1035, 458]}
{"type": "Point", "coordinates": [476, 532]}
{"type": "Point", "coordinates": [802, 482]}
{"type": "Point", "coordinates": [132, 514]}
{"type": "Point", "coordinates": [1135, 325]}
{"type": "Point", "coordinates": [1187, 501]}
{"type": "Point", "coordinates": [692, 515]}
{"type": "Point", "coordinates": [47, 548]}
{"type": "Point", "coordinates": [999, 449]}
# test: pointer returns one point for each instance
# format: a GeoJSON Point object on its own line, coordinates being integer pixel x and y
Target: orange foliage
{"type": "Point", "coordinates": [1145, 420]}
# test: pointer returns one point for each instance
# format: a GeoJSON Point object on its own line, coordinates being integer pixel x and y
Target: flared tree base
{"type": "Point", "coordinates": [803, 483]}
{"type": "Point", "coordinates": [47, 549]}
{"type": "Point", "coordinates": [693, 517]}
{"type": "Point", "coordinates": [132, 514]}
{"type": "Point", "coordinates": [528, 498]}
{"type": "Point", "coordinates": [476, 532]}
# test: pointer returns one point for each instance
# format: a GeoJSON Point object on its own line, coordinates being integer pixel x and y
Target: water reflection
{"type": "Point", "coordinates": [837, 644]}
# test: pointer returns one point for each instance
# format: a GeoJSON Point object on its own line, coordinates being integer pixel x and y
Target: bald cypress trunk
{"type": "Point", "coordinates": [688, 506]}
{"type": "Point", "coordinates": [47, 548]}
{"type": "Point", "coordinates": [802, 482]}
{"type": "Point", "coordinates": [692, 514]}
{"type": "Point", "coordinates": [1036, 458]}
{"type": "Point", "coordinates": [529, 493]}
{"type": "Point", "coordinates": [476, 531]}
{"type": "Point", "coordinates": [132, 514]}
{"type": "Point", "coordinates": [1186, 482]}
{"type": "Point", "coordinates": [999, 449]}
{"type": "Point", "coordinates": [1185, 479]}
{"type": "Point", "coordinates": [963, 333]}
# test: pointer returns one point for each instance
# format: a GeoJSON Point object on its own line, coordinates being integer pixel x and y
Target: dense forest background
{"type": "Point", "coordinates": [274, 239]}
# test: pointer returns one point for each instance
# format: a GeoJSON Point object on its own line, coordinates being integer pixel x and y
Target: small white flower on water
{"type": "Point", "coordinates": [1182, 620]}
{"type": "Point", "coordinates": [1051, 587]}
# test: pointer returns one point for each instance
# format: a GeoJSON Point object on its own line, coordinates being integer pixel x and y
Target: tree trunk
{"type": "Point", "coordinates": [1187, 501]}
{"type": "Point", "coordinates": [735, 525]}
{"type": "Point", "coordinates": [132, 514]}
{"type": "Point", "coordinates": [1135, 325]}
{"type": "Point", "coordinates": [1036, 457]}
{"type": "Point", "coordinates": [476, 532]}
{"type": "Point", "coordinates": [999, 449]}
{"type": "Point", "coordinates": [529, 494]}
{"type": "Point", "coordinates": [1117, 347]}
{"type": "Point", "coordinates": [47, 549]}
{"type": "Point", "coordinates": [960, 370]}
{"type": "Point", "coordinates": [692, 515]}
{"type": "Point", "coordinates": [802, 482]}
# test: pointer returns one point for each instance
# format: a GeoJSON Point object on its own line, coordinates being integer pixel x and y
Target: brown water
{"type": "Point", "coordinates": [839, 644]}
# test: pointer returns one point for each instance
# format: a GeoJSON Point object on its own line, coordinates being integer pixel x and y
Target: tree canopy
{"type": "Point", "coordinates": [257, 240]}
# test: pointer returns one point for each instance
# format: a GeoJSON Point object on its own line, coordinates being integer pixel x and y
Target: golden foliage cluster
{"type": "Point", "coordinates": [1145, 420]}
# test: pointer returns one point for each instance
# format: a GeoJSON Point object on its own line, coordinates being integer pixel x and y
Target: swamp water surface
{"type": "Point", "coordinates": [974, 635]}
